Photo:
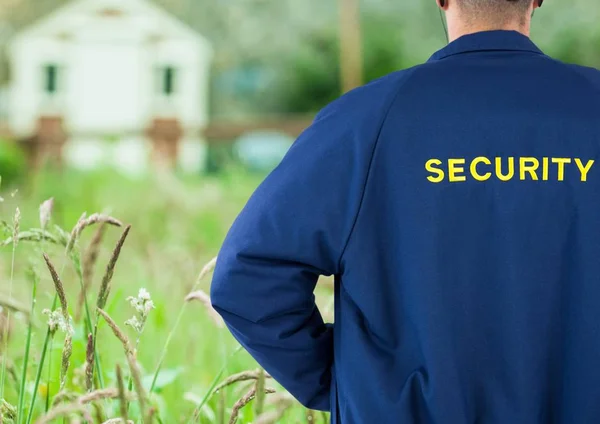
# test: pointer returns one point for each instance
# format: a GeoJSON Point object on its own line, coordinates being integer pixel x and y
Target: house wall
{"type": "Point", "coordinates": [109, 88]}
{"type": "Point", "coordinates": [26, 95]}
{"type": "Point", "coordinates": [190, 100]}
{"type": "Point", "coordinates": [192, 84]}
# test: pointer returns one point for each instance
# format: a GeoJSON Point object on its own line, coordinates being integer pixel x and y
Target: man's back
{"type": "Point", "coordinates": [457, 205]}
{"type": "Point", "coordinates": [478, 279]}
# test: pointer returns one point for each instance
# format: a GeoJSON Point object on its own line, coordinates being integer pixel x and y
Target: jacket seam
{"type": "Point", "coordinates": [370, 166]}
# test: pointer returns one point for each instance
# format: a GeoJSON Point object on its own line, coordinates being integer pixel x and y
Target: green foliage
{"type": "Point", "coordinates": [310, 75]}
{"type": "Point", "coordinates": [383, 46]}
{"type": "Point", "coordinates": [165, 377]}
{"type": "Point", "coordinates": [13, 164]}
{"type": "Point", "coordinates": [568, 48]}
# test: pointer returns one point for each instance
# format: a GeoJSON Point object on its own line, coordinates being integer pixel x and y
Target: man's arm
{"type": "Point", "coordinates": [293, 229]}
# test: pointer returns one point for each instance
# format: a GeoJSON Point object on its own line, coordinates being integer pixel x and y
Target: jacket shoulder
{"type": "Point", "coordinates": [591, 74]}
{"type": "Point", "coordinates": [370, 100]}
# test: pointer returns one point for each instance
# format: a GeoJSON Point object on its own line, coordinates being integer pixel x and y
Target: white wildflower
{"type": "Point", "coordinates": [148, 306]}
{"type": "Point", "coordinates": [57, 321]}
{"type": "Point", "coordinates": [142, 304]}
{"type": "Point", "coordinates": [143, 294]}
{"type": "Point", "coordinates": [53, 318]}
{"type": "Point", "coordinates": [134, 323]}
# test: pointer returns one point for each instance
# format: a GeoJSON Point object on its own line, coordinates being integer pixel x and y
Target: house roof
{"type": "Point", "coordinates": [142, 16]}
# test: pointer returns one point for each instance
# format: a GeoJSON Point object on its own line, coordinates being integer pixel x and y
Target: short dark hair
{"type": "Point", "coordinates": [496, 10]}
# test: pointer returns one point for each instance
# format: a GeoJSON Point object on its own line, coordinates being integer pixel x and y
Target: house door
{"type": "Point", "coordinates": [109, 93]}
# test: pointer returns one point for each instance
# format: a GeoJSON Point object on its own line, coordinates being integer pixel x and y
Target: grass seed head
{"type": "Point", "coordinates": [16, 224]}
{"type": "Point", "coordinates": [110, 393]}
{"type": "Point", "coordinates": [208, 268]}
{"type": "Point", "coordinates": [76, 231]}
{"type": "Point", "coordinates": [204, 299]}
{"type": "Point", "coordinates": [239, 377]}
{"type": "Point", "coordinates": [97, 395]}
{"type": "Point", "coordinates": [89, 261]}
{"type": "Point", "coordinates": [110, 269]}
{"type": "Point", "coordinates": [65, 411]}
{"type": "Point", "coordinates": [66, 359]}
{"type": "Point", "coordinates": [7, 411]}
{"type": "Point", "coordinates": [13, 305]}
{"type": "Point", "coordinates": [35, 235]}
{"type": "Point", "coordinates": [84, 222]}
{"type": "Point", "coordinates": [89, 363]}
{"type": "Point", "coordinates": [282, 403]}
{"type": "Point", "coordinates": [243, 401]}
{"type": "Point", "coordinates": [58, 285]}
{"type": "Point", "coordinates": [63, 397]}
{"type": "Point", "coordinates": [46, 213]}
{"type": "Point", "coordinates": [116, 331]}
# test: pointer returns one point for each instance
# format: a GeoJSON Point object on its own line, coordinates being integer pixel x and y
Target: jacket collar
{"type": "Point", "coordinates": [488, 41]}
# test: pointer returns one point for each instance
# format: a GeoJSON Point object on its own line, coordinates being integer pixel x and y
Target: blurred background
{"type": "Point", "coordinates": [167, 114]}
{"type": "Point", "coordinates": [191, 84]}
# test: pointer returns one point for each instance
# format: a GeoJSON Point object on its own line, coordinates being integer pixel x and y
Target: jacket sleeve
{"type": "Point", "coordinates": [293, 229]}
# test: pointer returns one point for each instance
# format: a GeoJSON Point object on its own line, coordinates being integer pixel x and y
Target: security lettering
{"type": "Point", "coordinates": [456, 170]}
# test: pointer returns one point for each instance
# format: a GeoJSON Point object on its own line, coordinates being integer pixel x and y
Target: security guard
{"type": "Point", "coordinates": [457, 204]}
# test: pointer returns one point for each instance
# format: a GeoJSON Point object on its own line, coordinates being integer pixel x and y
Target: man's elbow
{"type": "Point", "coordinates": [220, 278]}
{"type": "Point", "coordinates": [226, 291]}
{"type": "Point", "coordinates": [218, 289]}
{"type": "Point", "coordinates": [319, 402]}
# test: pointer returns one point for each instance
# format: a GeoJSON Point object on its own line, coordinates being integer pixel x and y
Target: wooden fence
{"type": "Point", "coordinates": [164, 135]}
{"type": "Point", "coordinates": [217, 131]}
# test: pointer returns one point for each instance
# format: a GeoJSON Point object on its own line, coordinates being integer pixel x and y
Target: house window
{"type": "Point", "coordinates": [168, 80]}
{"type": "Point", "coordinates": [51, 79]}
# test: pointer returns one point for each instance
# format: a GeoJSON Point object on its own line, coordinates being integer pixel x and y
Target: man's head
{"type": "Point", "coordinates": [468, 16]}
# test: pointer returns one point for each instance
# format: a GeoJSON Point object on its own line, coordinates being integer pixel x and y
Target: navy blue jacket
{"type": "Point", "coordinates": [457, 204]}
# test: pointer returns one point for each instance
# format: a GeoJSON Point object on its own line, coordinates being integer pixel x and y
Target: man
{"type": "Point", "coordinates": [457, 204]}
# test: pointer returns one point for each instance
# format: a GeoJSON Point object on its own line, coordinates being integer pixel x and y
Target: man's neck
{"type": "Point", "coordinates": [459, 31]}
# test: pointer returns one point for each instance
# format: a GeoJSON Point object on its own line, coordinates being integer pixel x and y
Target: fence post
{"type": "Point", "coordinates": [351, 58]}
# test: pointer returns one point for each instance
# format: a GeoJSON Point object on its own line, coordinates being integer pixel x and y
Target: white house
{"type": "Point", "coordinates": [108, 68]}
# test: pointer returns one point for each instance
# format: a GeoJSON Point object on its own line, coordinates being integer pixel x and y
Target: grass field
{"type": "Point", "coordinates": [177, 226]}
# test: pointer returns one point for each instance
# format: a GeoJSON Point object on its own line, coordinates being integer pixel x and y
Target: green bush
{"type": "Point", "coordinates": [310, 76]}
{"type": "Point", "coordinates": [13, 163]}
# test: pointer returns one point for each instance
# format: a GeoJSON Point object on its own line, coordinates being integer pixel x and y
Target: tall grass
{"type": "Point", "coordinates": [21, 402]}
{"type": "Point", "coordinates": [205, 271]}
{"type": "Point", "coordinates": [62, 320]}
{"type": "Point", "coordinates": [16, 221]}
{"type": "Point", "coordinates": [90, 330]}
